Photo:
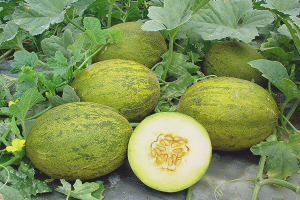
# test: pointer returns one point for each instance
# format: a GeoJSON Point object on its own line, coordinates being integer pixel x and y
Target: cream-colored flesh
{"type": "Point", "coordinates": [193, 164]}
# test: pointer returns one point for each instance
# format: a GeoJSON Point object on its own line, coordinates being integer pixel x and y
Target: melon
{"type": "Point", "coordinates": [169, 151]}
{"type": "Point", "coordinates": [145, 47]}
{"type": "Point", "coordinates": [230, 59]}
{"type": "Point", "coordinates": [236, 113]}
{"type": "Point", "coordinates": [125, 85]}
{"type": "Point", "coordinates": [79, 140]}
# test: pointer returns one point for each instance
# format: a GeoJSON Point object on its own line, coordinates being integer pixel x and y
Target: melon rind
{"type": "Point", "coordinates": [79, 140]}
{"type": "Point", "coordinates": [193, 166]}
{"type": "Point", "coordinates": [230, 59]}
{"type": "Point", "coordinates": [236, 113]}
{"type": "Point", "coordinates": [125, 85]}
{"type": "Point", "coordinates": [145, 47]}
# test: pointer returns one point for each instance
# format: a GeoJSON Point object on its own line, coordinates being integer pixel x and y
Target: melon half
{"type": "Point", "coordinates": [169, 151]}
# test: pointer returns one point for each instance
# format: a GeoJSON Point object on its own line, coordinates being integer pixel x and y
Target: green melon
{"type": "Point", "coordinates": [80, 140]}
{"type": "Point", "coordinates": [236, 113]}
{"type": "Point", "coordinates": [169, 151]}
{"type": "Point", "coordinates": [230, 59]}
{"type": "Point", "coordinates": [125, 85]}
{"type": "Point", "coordinates": [145, 47]}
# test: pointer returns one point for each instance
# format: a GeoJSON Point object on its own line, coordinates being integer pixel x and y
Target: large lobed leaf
{"type": "Point", "coordinates": [22, 180]}
{"type": "Point", "coordinates": [168, 17]}
{"type": "Point", "coordinates": [220, 19]}
{"type": "Point", "coordinates": [282, 160]}
{"type": "Point", "coordinates": [289, 7]}
{"type": "Point", "coordinates": [36, 16]}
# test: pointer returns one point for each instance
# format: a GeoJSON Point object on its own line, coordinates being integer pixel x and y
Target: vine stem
{"type": "Point", "coordinates": [259, 174]}
{"type": "Point", "coordinates": [112, 2]}
{"type": "Point", "coordinates": [6, 54]}
{"type": "Point", "coordinates": [76, 25]}
{"type": "Point", "coordinates": [76, 72]}
{"type": "Point", "coordinates": [189, 193]}
{"type": "Point", "coordinates": [278, 19]}
{"type": "Point", "coordinates": [172, 33]}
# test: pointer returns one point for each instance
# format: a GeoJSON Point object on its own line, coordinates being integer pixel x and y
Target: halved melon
{"type": "Point", "coordinates": [169, 151]}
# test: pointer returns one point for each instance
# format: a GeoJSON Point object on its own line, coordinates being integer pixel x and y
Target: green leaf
{"type": "Point", "coordinates": [10, 193]}
{"type": "Point", "coordinates": [55, 43]}
{"type": "Point", "coordinates": [93, 29]}
{"type": "Point", "coordinates": [23, 181]}
{"type": "Point", "coordinates": [27, 100]}
{"type": "Point", "coordinates": [22, 87]}
{"type": "Point", "coordinates": [82, 5]}
{"type": "Point", "coordinates": [220, 19]}
{"type": "Point", "coordinates": [9, 32]}
{"type": "Point", "coordinates": [69, 95]}
{"type": "Point", "coordinates": [289, 7]}
{"type": "Point", "coordinates": [82, 42]}
{"type": "Point", "coordinates": [115, 35]}
{"type": "Point", "coordinates": [272, 70]}
{"type": "Point", "coordinates": [294, 31]}
{"type": "Point", "coordinates": [282, 156]}
{"type": "Point", "coordinates": [36, 16]}
{"type": "Point", "coordinates": [15, 43]}
{"type": "Point", "coordinates": [277, 74]}
{"type": "Point", "coordinates": [82, 191]}
{"type": "Point", "coordinates": [168, 17]}
{"type": "Point", "coordinates": [59, 64]}
{"type": "Point", "coordinates": [198, 4]}
{"type": "Point", "coordinates": [289, 88]}
{"type": "Point", "coordinates": [27, 74]}
{"type": "Point", "coordinates": [24, 58]}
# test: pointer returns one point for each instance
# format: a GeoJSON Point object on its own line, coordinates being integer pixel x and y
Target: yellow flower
{"type": "Point", "coordinates": [17, 145]}
{"type": "Point", "coordinates": [12, 102]}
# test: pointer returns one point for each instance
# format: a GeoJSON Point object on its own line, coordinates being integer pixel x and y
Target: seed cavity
{"type": "Point", "coordinates": [168, 151]}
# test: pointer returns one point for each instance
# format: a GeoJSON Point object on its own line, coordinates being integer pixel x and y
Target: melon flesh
{"type": "Point", "coordinates": [185, 151]}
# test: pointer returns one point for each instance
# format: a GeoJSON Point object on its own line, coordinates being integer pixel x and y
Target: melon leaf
{"type": "Point", "coordinates": [93, 29]}
{"type": "Point", "coordinates": [282, 156]}
{"type": "Point", "coordinates": [36, 16]}
{"type": "Point", "coordinates": [220, 19]}
{"type": "Point", "coordinates": [55, 43]}
{"type": "Point", "coordinates": [10, 30]}
{"type": "Point", "coordinates": [69, 95]}
{"type": "Point", "coordinates": [24, 58]}
{"type": "Point", "coordinates": [289, 7]}
{"type": "Point", "coordinates": [27, 100]}
{"type": "Point", "coordinates": [277, 74]}
{"type": "Point", "coordinates": [23, 180]}
{"type": "Point", "coordinates": [86, 191]}
{"type": "Point", "coordinates": [168, 17]}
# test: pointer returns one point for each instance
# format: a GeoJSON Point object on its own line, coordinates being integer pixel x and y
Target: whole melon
{"type": "Point", "coordinates": [236, 113]}
{"type": "Point", "coordinates": [125, 85]}
{"type": "Point", "coordinates": [230, 59]}
{"type": "Point", "coordinates": [169, 151]}
{"type": "Point", "coordinates": [145, 47]}
{"type": "Point", "coordinates": [80, 140]}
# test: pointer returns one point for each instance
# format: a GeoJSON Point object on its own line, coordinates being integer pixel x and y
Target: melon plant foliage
{"type": "Point", "coordinates": [52, 41]}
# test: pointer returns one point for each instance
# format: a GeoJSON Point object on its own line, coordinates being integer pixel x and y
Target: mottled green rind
{"type": "Point", "coordinates": [79, 140]}
{"type": "Point", "coordinates": [236, 113]}
{"type": "Point", "coordinates": [145, 47]}
{"type": "Point", "coordinates": [125, 85]}
{"type": "Point", "coordinates": [230, 59]}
